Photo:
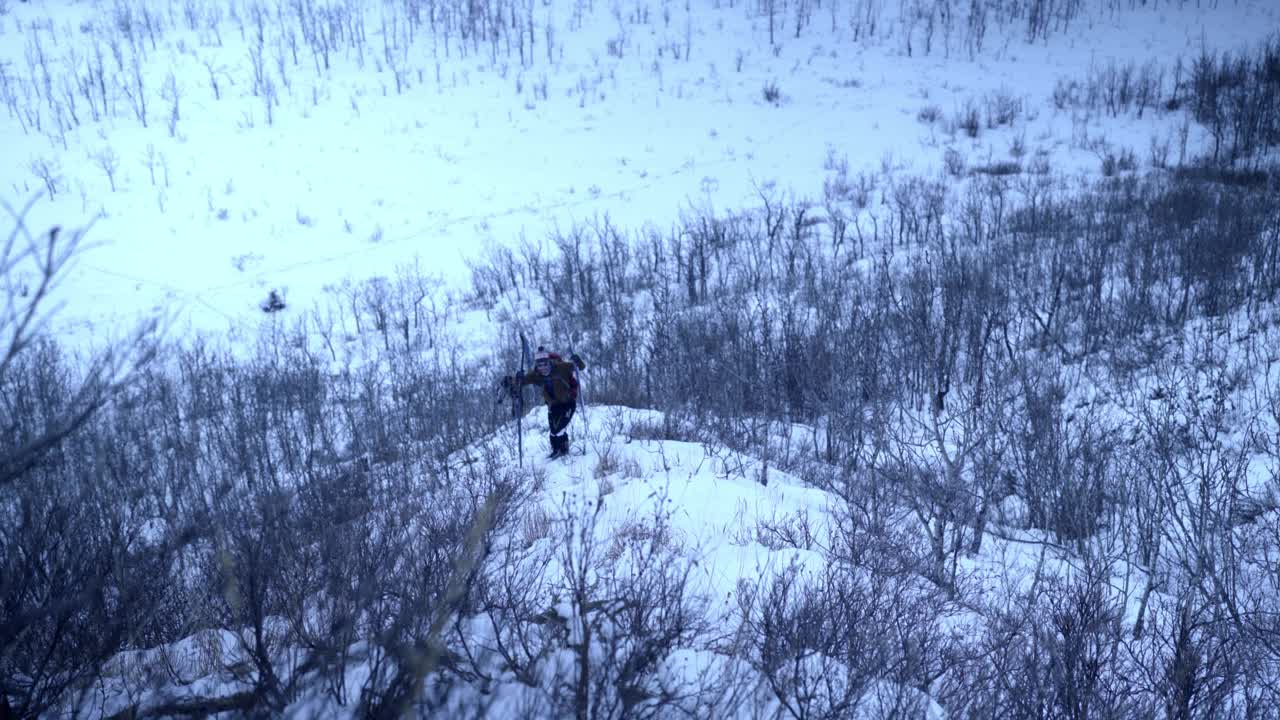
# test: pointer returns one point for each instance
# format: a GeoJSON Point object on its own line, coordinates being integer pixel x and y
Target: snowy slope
{"type": "Point", "coordinates": [640, 111]}
{"type": "Point", "coordinates": [413, 155]}
{"type": "Point", "coordinates": [624, 506]}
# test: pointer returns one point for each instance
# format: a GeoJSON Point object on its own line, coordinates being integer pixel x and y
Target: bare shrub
{"type": "Point", "coordinates": [58, 627]}
{"type": "Point", "coordinates": [1117, 162]}
{"type": "Point", "coordinates": [109, 162]}
{"type": "Point", "coordinates": [1002, 108]}
{"type": "Point", "coordinates": [1159, 153]}
{"type": "Point", "coordinates": [967, 119]}
{"type": "Point", "coordinates": [172, 92]}
{"type": "Point", "coordinates": [1060, 466]}
{"type": "Point", "coordinates": [1058, 649]}
{"type": "Point", "coordinates": [954, 163]}
{"type": "Point", "coordinates": [1234, 97]}
{"type": "Point", "coordinates": [1066, 94]}
{"type": "Point", "coordinates": [818, 644]}
{"type": "Point", "coordinates": [627, 610]}
{"type": "Point", "coordinates": [49, 173]}
{"type": "Point", "coordinates": [771, 93]}
{"type": "Point", "coordinates": [1004, 167]}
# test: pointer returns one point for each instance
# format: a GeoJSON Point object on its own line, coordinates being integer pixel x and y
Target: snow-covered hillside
{"type": "Point", "coordinates": [652, 545]}
{"type": "Point", "coordinates": [228, 149]}
{"type": "Point", "coordinates": [931, 347]}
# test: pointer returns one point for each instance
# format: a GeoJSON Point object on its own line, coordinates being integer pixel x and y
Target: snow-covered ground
{"type": "Point", "coordinates": [642, 110]}
{"type": "Point", "coordinates": [413, 155]}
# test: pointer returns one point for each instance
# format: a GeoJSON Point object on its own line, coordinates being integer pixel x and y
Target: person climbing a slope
{"type": "Point", "coordinates": [558, 379]}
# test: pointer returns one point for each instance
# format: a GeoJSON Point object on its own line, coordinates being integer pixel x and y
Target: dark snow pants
{"type": "Point", "coordinates": [558, 417]}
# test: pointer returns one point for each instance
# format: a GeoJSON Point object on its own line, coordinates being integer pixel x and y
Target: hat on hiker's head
{"type": "Point", "coordinates": [542, 355]}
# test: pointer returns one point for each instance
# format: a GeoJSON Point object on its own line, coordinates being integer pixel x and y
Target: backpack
{"type": "Point", "coordinates": [573, 384]}
{"type": "Point", "coordinates": [573, 374]}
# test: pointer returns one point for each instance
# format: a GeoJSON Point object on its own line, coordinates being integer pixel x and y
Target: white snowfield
{"type": "Point", "coordinates": [272, 167]}
{"type": "Point", "coordinates": [263, 166]}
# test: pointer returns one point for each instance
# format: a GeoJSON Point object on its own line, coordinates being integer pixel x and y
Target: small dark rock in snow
{"type": "Point", "coordinates": [273, 303]}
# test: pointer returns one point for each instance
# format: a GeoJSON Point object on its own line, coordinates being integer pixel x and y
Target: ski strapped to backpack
{"type": "Point", "coordinates": [579, 399]}
{"type": "Point", "coordinates": [513, 389]}
{"type": "Point", "coordinates": [574, 385]}
{"type": "Point", "coordinates": [518, 405]}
